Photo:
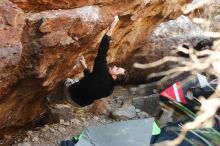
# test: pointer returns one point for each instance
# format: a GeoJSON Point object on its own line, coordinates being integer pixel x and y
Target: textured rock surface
{"type": "Point", "coordinates": [164, 39]}
{"type": "Point", "coordinates": [100, 107]}
{"type": "Point", "coordinates": [125, 112]}
{"type": "Point", "coordinates": [42, 5]}
{"type": "Point", "coordinates": [11, 26]}
{"type": "Point", "coordinates": [149, 104]}
{"type": "Point", "coordinates": [53, 38]}
{"type": "Point", "coordinates": [70, 124]}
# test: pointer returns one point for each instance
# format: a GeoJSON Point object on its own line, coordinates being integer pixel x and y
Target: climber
{"type": "Point", "coordinates": [101, 81]}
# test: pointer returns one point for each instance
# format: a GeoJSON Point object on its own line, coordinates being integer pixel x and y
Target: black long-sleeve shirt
{"type": "Point", "coordinates": [97, 84]}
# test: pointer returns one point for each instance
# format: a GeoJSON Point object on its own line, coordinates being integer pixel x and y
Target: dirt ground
{"type": "Point", "coordinates": [65, 121]}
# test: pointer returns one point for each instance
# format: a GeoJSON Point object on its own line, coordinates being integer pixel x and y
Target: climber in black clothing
{"type": "Point", "coordinates": [101, 81]}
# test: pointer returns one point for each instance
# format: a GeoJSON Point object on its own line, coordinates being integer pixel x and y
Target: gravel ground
{"type": "Point", "coordinates": [66, 121]}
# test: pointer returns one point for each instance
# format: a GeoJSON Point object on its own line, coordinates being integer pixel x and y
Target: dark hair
{"type": "Point", "coordinates": [122, 78]}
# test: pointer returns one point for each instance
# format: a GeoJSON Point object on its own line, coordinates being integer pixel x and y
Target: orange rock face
{"type": "Point", "coordinates": [37, 54]}
{"type": "Point", "coordinates": [11, 26]}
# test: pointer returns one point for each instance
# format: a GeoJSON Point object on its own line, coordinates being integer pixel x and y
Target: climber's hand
{"type": "Point", "coordinates": [114, 23]}
{"type": "Point", "coordinates": [82, 62]}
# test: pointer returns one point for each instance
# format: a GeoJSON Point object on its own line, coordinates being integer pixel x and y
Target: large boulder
{"type": "Point", "coordinates": [11, 26]}
{"type": "Point", "coordinates": [161, 43]}
{"type": "Point", "coordinates": [43, 5]}
{"type": "Point", "coordinates": [35, 62]}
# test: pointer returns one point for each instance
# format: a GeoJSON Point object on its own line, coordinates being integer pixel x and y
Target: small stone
{"type": "Point", "coordinates": [100, 107]}
{"type": "Point", "coordinates": [61, 129]}
{"type": "Point", "coordinates": [29, 133]}
{"type": "Point", "coordinates": [46, 127]}
{"type": "Point", "coordinates": [103, 121]}
{"type": "Point", "coordinates": [35, 139]}
{"type": "Point", "coordinates": [96, 118]}
{"type": "Point", "coordinates": [62, 121]}
{"type": "Point", "coordinates": [52, 130]}
{"type": "Point", "coordinates": [83, 119]}
{"type": "Point", "coordinates": [26, 139]}
{"type": "Point", "coordinates": [137, 110]}
{"type": "Point", "coordinates": [126, 112]}
{"type": "Point", "coordinates": [75, 121]}
{"type": "Point", "coordinates": [66, 123]}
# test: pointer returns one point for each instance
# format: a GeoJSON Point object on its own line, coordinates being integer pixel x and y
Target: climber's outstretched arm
{"type": "Point", "coordinates": [100, 63]}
